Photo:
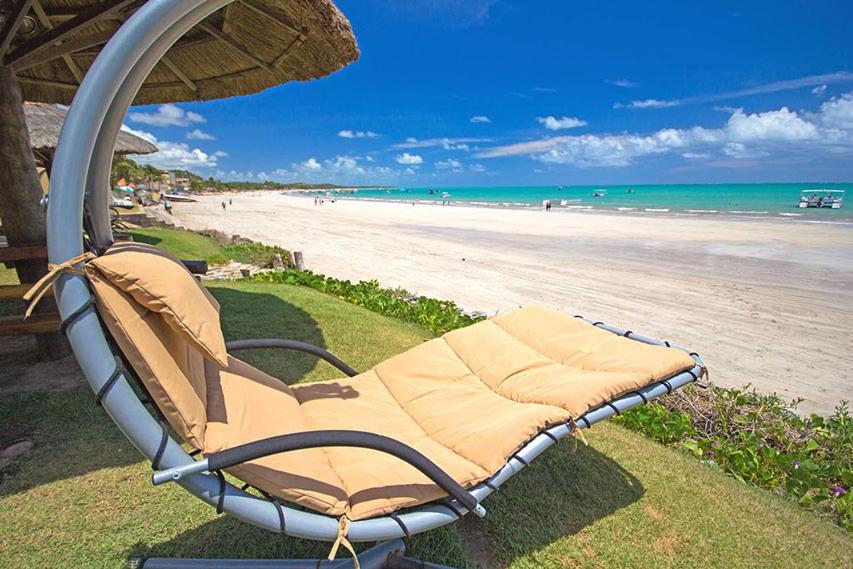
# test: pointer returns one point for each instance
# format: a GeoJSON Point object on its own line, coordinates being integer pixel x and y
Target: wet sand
{"type": "Point", "coordinates": [769, 303]}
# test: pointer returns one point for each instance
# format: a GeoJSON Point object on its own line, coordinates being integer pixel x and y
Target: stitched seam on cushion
{"type": "Point", "coordinates": [326, 454]}
{"type": "Point", "coordinates": [111, 275]}
{"type": "Point", "coordinates": [177, 411]}
{"type": "Point", "coordinates": [426, 434]}
{"type": "Point", "coordinates": [238, 468]}
{"type": "Point", "coordinates": [649, 375]}
{"type": "Point", "coordinates": [495, 392]}
{"type": "Point", "coordinates": [563, 363]}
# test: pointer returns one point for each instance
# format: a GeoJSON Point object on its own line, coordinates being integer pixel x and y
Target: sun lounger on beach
{"type": "Point", "coordinates": [440, 426]}
{"type": "Point", "coordinates": [410, 445]}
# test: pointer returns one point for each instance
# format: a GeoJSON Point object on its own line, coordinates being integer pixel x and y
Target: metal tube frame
{"type": "Point", "coordinates": [81, 169]}
{"type": "Point", "coordinates": [295, 345]}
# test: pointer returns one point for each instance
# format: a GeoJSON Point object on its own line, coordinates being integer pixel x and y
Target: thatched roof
{"type": "Point", "coordinates": [44, 121]}
{"type": "Point", "coordinates": [246, 47]}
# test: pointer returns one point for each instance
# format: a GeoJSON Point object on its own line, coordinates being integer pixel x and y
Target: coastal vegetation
{"type": "Point", "coordinates": [623, 501]}
{"type": "Point", "coordinates": [127, 169]}
{"type": "Point", "coordinates": [758, 439]}
{"type": "Point", "coordinates": [437, 316]}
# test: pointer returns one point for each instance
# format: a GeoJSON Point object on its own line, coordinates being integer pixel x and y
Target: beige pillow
{"type": "Point", "coordinates": [161, 283]}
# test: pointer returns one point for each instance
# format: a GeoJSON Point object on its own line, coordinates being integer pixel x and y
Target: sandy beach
{"type": "Point", "coordinates": [768, 303]}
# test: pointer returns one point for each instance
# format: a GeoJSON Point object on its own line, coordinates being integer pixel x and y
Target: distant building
{"type": "Point", "coordinates": [179, 182]}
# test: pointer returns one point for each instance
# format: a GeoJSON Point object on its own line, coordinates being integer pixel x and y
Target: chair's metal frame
{"type": "Point", "coordinates": [79, 181]}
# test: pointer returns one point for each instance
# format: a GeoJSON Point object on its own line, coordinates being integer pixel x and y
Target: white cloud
{"type": "Point", "coordinates": [198, 134]}
{"type": "Point", "coordinates": [175, 155]}
{"type": "Point", "coordinates": [312, 164]}
{"type": "Point", "coordinates": [140, 133]}
{"type": "Point", "coordinates": [752, 135]}
{"type": "Point", "coordinates": [624, 83]}
{"type": "Point", "coordinates": [357, 134]}
{"type": "Point", "coordinates": [819, 90]}
{"type": "Point", "coordinates": [554, 123]}
{"type": "Point", "coordinates": [838, 112]}
{"type": "Point", "coordinates": [446, 143]}
{"type": "Point", "coordinates": [167, 115]}
{"type": "Point", "coordinates": [408, 159]}
{"type": "Point", "coordinates": [740, 150]}
{"type": "Point", "coordinates": [449, 164]}
{"type": "Point", "coordinates": [646, 104]}
{"type": "Point", "coordinates": [771, 125]}
{"type": "Point", "coordinates": [478, 168]}
{"type": "Point", "coordinates": [775, 87]}
{"type": "Point", "coordinates": [480, 119]}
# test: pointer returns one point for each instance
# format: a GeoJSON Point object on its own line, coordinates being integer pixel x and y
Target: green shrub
{"type": "Point", "coordinates": [760, 440]}
{"type": "Point", "coordinates": [438, 316]}
{"type": "Point", "coordinates": [256, 253]}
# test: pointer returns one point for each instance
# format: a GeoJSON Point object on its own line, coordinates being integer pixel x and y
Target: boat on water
{"type": "Point", "coordinates": [821, 197]}
{"type": "Point", "coordinates": [599, 194]}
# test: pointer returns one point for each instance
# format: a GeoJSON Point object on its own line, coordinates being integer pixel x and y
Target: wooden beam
{"type": "Point", "coordinates": [38, 9]}
{"type": "Point", "coordinates": [236, 46]}
{"type": "Point", "coordinates": [180, 74]}
{"type": "Point", "coordinates": [35, 324]}
{"type": "Point", "coordinates": [289, 50]}
{"type": "Point", "coordinates": [13, 292]}
{"type": "Point", "coordinates": [264, 10]}
{"type": "Point", "coordinates": [86, 17]}
{"type": "Point", "coordinates": [14, 19]}
{"type": "Point", "coordinates": [226, 18]}
{"type": "Point", "coordinates": [68, 47]}
{"type": "Point", "coordinates": [22, 253]}
{"type": "Point", "coordinates": [47, 83]}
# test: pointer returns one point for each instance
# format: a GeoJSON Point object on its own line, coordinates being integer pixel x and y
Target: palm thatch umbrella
{"type": "Point", "coordinates": [46, 46]}
{"type": "Point", "coordinates": [44, 123]}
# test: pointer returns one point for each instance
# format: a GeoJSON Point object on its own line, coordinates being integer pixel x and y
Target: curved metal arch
{"type": "Point", "coordinates": [81, 168]}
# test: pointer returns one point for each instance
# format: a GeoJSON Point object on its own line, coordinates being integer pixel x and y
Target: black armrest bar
{"type": "Point", "coordinates": [290, 345]}
{"type": "Point", "coordinates": [316, 439]}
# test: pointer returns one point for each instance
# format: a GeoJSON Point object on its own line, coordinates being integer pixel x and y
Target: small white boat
{"type": "Point", "coordinates": [599, 194]}
{"type": "Point", "coordinates": [821, 198]}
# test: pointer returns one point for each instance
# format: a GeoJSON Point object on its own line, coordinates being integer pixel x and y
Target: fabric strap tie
{"type": "Point", "coordinates": [579, 433]}
{"type": "Point", "coordinates": [44, 284]}
{"type": "Point", "coordinates": [343, 530]}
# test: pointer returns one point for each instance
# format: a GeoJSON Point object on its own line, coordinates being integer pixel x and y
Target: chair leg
{"type": "Point", "coordinates": [377, 557]}
{"type": "Point", "coordinates": [398, 560]}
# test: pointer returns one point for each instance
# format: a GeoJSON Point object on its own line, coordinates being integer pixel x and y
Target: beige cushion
{"type": "Point", "coordinates": [467, 400]}
{"type": "Point", "coordinates": [160, 282]}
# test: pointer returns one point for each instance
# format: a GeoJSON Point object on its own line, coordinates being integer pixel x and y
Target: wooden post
{"type": "Point", "coordinates": [23, 216]}
{"type": "Point", "coordinates": [298, 261]}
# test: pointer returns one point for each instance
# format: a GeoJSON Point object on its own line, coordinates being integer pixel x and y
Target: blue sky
{"type": "Point", "coordinates": [501, 92]}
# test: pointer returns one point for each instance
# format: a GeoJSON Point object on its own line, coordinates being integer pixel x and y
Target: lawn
{"type": "Point", "coordinates": [83, 497]}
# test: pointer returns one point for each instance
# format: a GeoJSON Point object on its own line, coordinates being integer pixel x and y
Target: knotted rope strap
{"type": "Point", "coordinates": [44, 284]}
{"type": "Point", "coordinates": [343, 529]}
{"type": "Point", "coordinates": [576, 430]}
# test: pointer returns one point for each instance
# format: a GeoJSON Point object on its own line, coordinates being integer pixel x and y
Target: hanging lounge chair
{"type": "Point", "coordinates": [410, 445]}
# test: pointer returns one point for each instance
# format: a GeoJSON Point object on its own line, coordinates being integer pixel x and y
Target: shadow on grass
{"type": "Point", "coordinates": [73, 436]}
{"type": "Point", "coordinates": [251, 315]}
{"type": "Point", "coordinates": [561, 493]}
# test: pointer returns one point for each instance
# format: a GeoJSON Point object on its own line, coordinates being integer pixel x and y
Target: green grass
{"type": "Point", "coordinates": [83, 497]}
{"type": "Point", "coordinates": [183, 244]}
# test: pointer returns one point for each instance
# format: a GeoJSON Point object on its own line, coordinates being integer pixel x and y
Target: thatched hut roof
{"type": "Point", "coordinates": [246, 47]}
{"type": "Point", "coordinates": [44, 121]}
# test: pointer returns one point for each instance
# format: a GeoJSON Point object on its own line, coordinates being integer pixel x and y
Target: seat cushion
{"type": "Point", "coordinates": [159, 282]}
{"type": "Point", "coordinates": [468, 401]}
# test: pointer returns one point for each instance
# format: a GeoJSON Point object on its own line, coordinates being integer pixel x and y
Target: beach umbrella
{"type": "Point", "coordinates": [46, 47]}
{"type": "Point", "coordinates": [44, 123]}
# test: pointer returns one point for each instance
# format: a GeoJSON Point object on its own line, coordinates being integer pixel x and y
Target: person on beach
{"type": "Point", "coordinates": [230, 201]}
{"type": "Point", "coordinates": [223, 206]}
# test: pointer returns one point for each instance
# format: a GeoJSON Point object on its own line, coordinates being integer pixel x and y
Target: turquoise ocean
{"type": "Point", "coordinates": [777, 201]}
